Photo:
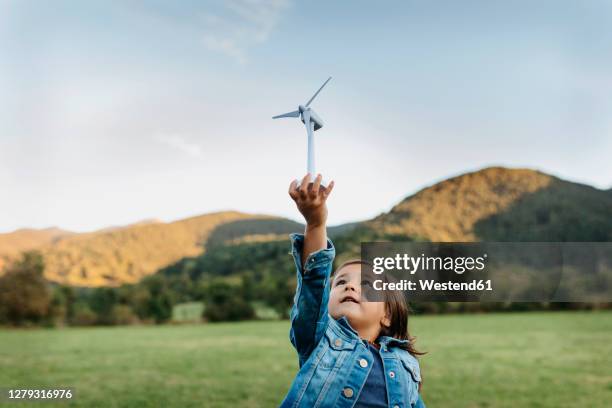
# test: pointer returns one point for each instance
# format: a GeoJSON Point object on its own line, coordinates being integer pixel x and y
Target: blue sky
{"type": "Point", "coordinates": [114, 112]}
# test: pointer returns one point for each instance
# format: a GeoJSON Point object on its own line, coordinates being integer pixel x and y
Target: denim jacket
{"type": "Point", "coordinates": [334, 362]}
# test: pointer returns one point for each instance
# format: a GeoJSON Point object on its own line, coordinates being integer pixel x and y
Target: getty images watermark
{"type": "Point", "coordinates": [489, 271]}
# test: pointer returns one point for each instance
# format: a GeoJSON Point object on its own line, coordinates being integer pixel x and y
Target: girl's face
{"type": "Point", "coordinates": [345, 299]}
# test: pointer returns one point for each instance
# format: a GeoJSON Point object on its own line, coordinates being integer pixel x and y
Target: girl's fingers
{"type": "Point", "coordinates": [329, 189]}
{"type": "Point", "coordinates": [292, 189]}
{"type": "Point", "coordinates": [304, 185]}
{"type": "Point", "coordinates": [316, 185]}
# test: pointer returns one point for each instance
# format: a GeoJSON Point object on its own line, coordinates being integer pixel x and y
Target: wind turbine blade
{"type": "Point", "coordinates": [316, 93]}
{"type": "Point", "coordinates": [293, 114]}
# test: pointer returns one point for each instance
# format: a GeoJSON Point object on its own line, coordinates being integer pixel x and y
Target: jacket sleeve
{"type": "Point", "coordinates": [309, 316]}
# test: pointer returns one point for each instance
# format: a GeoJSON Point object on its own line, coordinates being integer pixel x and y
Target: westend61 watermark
{"type": "Point", "coordinates": [489, 271]}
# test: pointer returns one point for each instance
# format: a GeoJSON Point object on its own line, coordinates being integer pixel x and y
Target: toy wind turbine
{"type": "Point", "coordinates": [313, 122]}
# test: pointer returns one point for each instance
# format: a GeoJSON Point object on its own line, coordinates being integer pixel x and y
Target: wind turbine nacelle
{"type": "Point", "coordinates": [314, 118]}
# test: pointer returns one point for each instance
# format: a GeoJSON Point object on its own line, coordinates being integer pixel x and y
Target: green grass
{"type": "Point", "coordinates": [496, 360]}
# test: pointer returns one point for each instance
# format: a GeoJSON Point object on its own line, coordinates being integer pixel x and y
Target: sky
{"type": "Point", "coordinates": [116, 112]}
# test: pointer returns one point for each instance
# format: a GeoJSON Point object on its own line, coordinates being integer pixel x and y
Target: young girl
{"type": "Point", "coordinates": [352, 353]}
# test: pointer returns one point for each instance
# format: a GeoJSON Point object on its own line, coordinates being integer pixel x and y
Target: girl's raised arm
{"type": "Point", "coordinates": [310, 199]}
{"type": "Point", "coordinates": [313, 254]}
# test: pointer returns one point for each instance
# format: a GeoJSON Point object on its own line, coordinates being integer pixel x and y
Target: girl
{"type": "Point", "coordinates": [352, 353]}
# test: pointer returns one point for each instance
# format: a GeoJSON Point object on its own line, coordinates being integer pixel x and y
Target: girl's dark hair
{"type": "Point", "coordinates": [398, 310]}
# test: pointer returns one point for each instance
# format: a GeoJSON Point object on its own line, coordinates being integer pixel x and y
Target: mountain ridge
{"type": "Point", "coordinates": [492, 203]}
{"type": "Point", "coordinates": [464, 207]}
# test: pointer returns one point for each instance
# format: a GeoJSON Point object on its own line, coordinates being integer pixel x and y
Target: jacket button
{"type": "Point", "coordinates": [348, 392]}
{"type": "Point", "coordinates": [391, 374]}
{"type": "Point", "coordinates": [363, 362]}
{"type": "Point", "coordinates": [338, 342]}
{"type": "Point", "coordinates": [396, 406]}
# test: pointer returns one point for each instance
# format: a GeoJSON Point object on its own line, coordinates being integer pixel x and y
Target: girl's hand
{"type": "Point", "coordinates": [310, 199]}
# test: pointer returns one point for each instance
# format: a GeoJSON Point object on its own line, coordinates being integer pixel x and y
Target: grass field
{"type": "Point", "coordinates": [496, 360]}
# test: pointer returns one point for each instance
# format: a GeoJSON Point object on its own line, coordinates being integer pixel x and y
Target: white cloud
{"type": "Point", "coordinates": [226, 46]}
{"type": "Point", "coordinates": [179, 143]}
{"type": "Point", "coordinates": [244, 23]}
{"type": "Point", "coordinates": [229, 27]}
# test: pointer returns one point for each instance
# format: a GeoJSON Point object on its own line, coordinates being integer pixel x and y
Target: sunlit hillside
{"type": "Point", "coordinates": [125, 255]}
{"type": "Point", "coordinates": [500, 204]}
{"type": "Point", "coordinates": [11, 244]}
{"type": "Point", "coordinates": [492, 204]}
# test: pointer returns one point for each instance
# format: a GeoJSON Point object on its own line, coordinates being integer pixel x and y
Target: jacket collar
{"type": "Point", "coordinates": [345, 327]}
{"type": "Point", "coordinates": [384, 341]}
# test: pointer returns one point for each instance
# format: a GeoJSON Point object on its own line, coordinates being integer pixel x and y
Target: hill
{"type": "Point", "coordinates": [13, 243]}
{"type": "Point", "coordinates": [118, 255]}
{"type": "Point", "coordinates": [492, 204]}
{"type": "Point", "coordinates": [261, 230]}
{"type": "Point", "coordinates": [125, 255]}
{"type": "Point", "coordinates": [501, 204]}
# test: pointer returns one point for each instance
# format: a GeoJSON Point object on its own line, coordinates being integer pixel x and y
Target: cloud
{"type": "Point", "coordinates": [226, 46]}
{"type": "Point", "coordinates": [179, 143]}
{"type": "Point", "coordinates": [241, 25]}
{"type": "Point", "coordinates": [229, 27]}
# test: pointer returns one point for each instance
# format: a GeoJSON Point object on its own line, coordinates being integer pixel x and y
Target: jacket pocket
{"type": "Point", "coordinates": [336, 347]}
{"type": "Point", "coordinates": [412, 375]}
{"type": "Point", "coordinates": [338, 342]}
{"type": "Point", "coordinates": [412, 366]}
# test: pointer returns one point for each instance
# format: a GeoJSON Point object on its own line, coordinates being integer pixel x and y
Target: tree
{"type": "Point", "coordinates": [62, 304]}
{"type": "Point", "coordinates": [83, 315]}
{"type": "Point", "coordinates": [24, 292]}
{"type": "Point", "coordinates": [224, 302]}
{"type": "Point", "coordinates": [160, 301]}
{"type": "Point", "coordinates": [102, 303]}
